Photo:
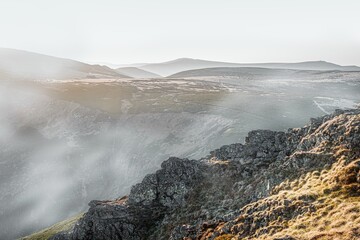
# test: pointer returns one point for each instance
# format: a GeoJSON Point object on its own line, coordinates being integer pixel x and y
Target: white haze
{"type": "Point", "coordinates": [127, 31]}
{"type": "Point", "coordinates": [58, 155]}
{"type": "Point", "coordinates": [66, 155]}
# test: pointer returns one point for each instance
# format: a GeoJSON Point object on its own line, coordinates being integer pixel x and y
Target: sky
{"type": "Point", "coordinates": [128, 31]}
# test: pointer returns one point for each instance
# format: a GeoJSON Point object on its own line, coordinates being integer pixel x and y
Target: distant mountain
{"type": "Point", "coordinates": [131, 65]}
{"type": "Point", "coordinates": [310, 65]}
{"type": "Point", "coordinates": [244, 72]}
{"type": "Point", "coordinates": [249, 73]}
{"type": "Point", "coordinates": [18, 64]}
{"type": "Point", "coordinates": [184, 64]}
{"type": "Point", "coordinates": [136, 72]}
{"type": "Point", "coordinates": [23, 65]}
{"type": "Point", "coordinates": [116, 65]}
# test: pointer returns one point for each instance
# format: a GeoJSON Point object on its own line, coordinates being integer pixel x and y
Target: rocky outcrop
{"type": "Point", "coordinates": [240, 191]}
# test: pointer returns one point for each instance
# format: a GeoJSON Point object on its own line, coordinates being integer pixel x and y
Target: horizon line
{"type": "Point", "coordinates": [106, 63]}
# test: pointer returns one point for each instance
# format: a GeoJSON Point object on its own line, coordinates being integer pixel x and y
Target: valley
{"type": "Point", "coordinates": [82, 135]}
{"type": "Point", "coordinates": [68, 140]}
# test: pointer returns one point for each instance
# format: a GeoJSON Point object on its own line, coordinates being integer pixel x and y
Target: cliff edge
{"type": "Point", "coordinates": [300, 184]}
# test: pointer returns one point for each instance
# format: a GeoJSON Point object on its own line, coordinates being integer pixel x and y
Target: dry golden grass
{"type": "Point", "coordinates": [336, 200]}
{"type": "Point", "coordinates": [225, 237]}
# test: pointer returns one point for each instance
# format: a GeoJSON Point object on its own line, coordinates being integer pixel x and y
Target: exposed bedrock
{"type": "Point", "coordinates": [238, 190]}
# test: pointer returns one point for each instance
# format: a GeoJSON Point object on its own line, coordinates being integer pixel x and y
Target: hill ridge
{"type": "Point", "coordinates": [25, 65]}
{"type": "Point", "coordinates": [184, 64]}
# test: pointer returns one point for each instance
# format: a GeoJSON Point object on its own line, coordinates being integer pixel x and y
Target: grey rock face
{"type": "Point", "coordinates": [168, 186]}
{"type": "Point", "coordinates": [177, 200]}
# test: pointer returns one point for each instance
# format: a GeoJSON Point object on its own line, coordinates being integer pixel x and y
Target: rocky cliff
{"type": "Point", "coordinates": [300, 184]}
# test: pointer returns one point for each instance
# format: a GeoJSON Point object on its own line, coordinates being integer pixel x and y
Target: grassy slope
{"type": "Point", "coordinates": [51, 231]}
{"type": "Point", "coordinates": [319, 205]}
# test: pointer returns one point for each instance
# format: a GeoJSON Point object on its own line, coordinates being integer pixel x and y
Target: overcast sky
{"type": "Point", "coordinates": [125, 31]}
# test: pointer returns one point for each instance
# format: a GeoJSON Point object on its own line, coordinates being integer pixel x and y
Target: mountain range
{"type": "Point", "coordinates": [18, 64]}
{"type": "Point", "coordinates": [184, 64]}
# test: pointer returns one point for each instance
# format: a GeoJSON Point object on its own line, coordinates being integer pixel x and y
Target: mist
{"type": "Point", "coordinates": [65, 144]}
{"type": "Point", "coordinates": [72, 132]}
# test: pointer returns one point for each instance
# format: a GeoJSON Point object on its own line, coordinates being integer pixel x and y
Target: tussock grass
{"type": "Point", "coordinates": [335, 195]}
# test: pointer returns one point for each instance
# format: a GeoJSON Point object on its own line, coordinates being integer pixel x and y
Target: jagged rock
{"type": "Point", "coordinates": [239, 189]}
{"type": "Point", "coordinates": [168, 186]}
